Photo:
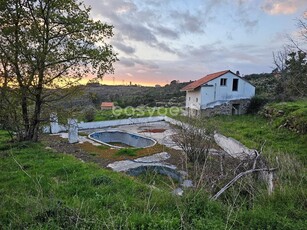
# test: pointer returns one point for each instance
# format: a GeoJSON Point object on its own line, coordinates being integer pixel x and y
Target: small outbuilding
{"type": "Point", "coordinates": [222, 92]}
{"type": "Point", "coordinates": [106, 105]}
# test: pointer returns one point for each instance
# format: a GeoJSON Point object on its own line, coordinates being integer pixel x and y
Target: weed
{"type": "Point", "coordinates": [127, 152]}
{"type": "Point", "coordinates": [101, 180]}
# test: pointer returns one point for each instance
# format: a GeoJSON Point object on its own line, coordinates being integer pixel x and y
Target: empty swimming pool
{"type": "Point", "coordinates": [119, 139]}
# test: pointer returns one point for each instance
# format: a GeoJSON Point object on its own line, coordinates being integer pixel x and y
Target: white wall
{"type": "Point", "coordinates": [225, 93]}
{"type": "Point", "coordinates": [103, 124]}
{"type": "Point", "coordinates": [193, 99]}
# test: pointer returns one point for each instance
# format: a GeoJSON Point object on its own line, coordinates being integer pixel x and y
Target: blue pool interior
{"type": "Point", "coordinates": [130, 139]}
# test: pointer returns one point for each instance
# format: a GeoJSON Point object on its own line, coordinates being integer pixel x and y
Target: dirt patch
{"type": "Point", "coordinates": [61, 145]}
{"type": "Point", "coordinates": [110, 153]}
{"type": "Point", "coordinates": [103, 155]}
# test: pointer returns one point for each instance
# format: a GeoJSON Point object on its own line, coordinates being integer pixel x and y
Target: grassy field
{"type": "Point", "coordinates": [45, 190]}
{"type": "Point", "coordinates": [41, 189]}
{"type": "Point", "coordinates": [257, 132]}
{"type": "Point", "coordinates": [135, 112]}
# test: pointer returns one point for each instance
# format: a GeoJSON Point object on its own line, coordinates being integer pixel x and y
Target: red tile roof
{"type": "Point", "coordinates": [107, 104]}
{"type": "Point", "coordinates": [204, 80]}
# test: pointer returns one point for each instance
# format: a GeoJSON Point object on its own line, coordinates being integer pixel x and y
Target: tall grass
{"type": "Point", "coordinates": [41, 189]}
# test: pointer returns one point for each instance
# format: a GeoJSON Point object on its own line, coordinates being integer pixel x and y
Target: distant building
{"type": "Point", "coordinates": [218, 93]}
{"type": "Point", "coordinates": [106, 105]}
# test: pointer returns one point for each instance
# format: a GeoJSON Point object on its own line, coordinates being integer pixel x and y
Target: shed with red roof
{"type": "Point", "coordinates": [106, 105]}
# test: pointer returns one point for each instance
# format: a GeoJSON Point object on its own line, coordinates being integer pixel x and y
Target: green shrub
{"type": "Point", "coordinates": [127, 151]}
{"type": "Point", "coordinates": [291, 115]}
{"type": "Point", "coordinates": [89, 114]}
{"type": "Point", "coordinates": [256, 104]}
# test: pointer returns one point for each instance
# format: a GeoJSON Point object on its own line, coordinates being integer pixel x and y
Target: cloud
{"type": "Point", "coordinates": [275, 7]}
{"type": "Point", "coordinates": [162, 40]}
{"type": "Point", "coordinates": [126, 49]}
{"type": "Point", "coordinates": [127, 62]}
{"type": "Point", "coordinates": [132, 62]}
{"type": "Point", "coordinates": [189, 22]}
{"type": "Point", "coordinates": [166, 32]}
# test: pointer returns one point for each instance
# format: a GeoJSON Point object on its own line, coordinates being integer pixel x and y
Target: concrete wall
{"type": "Point", "coordinates": [56, 128]}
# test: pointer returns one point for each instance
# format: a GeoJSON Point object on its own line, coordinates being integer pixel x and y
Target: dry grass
{"type": "Point", "coordinates": [110, 153]}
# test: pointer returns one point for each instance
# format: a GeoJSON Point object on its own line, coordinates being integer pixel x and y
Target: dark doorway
{"type": "Point", "coordinates": [235, 109]}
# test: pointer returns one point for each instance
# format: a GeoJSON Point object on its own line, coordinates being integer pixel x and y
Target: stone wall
{"type": "Point", "coordinates": [233, 107]}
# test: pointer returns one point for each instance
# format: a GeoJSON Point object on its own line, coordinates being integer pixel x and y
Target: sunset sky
{"type": "Point", "coordinates": [158, 41]}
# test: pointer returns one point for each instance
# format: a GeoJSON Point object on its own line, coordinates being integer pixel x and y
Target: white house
{"type": "Point", "coordinates": [218, 93]}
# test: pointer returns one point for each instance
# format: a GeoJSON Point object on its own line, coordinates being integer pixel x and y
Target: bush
{"type": "Point", "coordinates": [256, 104]}
{"type": "Point", "coordinates": [127, 151]}
{"type": "Point", "coordinates": [291, 115]}
{"type": "Point", "coordinates": [89, 114]}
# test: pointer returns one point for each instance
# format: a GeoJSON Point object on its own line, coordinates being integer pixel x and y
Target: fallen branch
{"type": "Point", "coordinates": [237, 177]}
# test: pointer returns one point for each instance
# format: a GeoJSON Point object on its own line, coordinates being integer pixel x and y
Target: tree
{"type": "Point", "coordinates": [291, 64]}
{"type": "Point", "coordinates": [296, 68]}
{"type": "Point", "coordinates": [46, 44]}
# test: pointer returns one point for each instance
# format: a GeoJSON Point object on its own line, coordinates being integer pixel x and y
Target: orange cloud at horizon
{"type": "Point", "coordinates": [107, 81]}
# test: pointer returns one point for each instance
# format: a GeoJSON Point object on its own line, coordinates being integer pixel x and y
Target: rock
{"type": "Point", "coordinates": [178, 192]}
{"type": "Point", "coordinates": [183, 174]}
{"type": "Point", "coordinates": [154, 158]}
{"type": "Point", "coordinates": [187, 184]}
{"type": "Point", "coordinates": [233, 147]}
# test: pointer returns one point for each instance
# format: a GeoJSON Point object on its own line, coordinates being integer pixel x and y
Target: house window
{"type": "Point", "coordinates": [197, 99]}
{"type": "Point", "coordinates": [223, 81]}
{"type": "Point", "coordinates": [189, 98]}
{"type": "Point", "coordinates": [235, 84]}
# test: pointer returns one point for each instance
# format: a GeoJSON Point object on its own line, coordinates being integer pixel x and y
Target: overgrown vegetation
{"type": "Point", "coordinates": [42, 189]}
{"type": "Point", "coordinates": [256, 131]}
{"type": "Point", "coordinates": [291, 65]}
{"type": "Point", "coordinates": [59, 191]}
{"type": "Point", "coordinates": [290, 115]}
{"type": "Point", "coordinates": [127, 152]}
{"type": "Point", "coordinates": [106, 152]}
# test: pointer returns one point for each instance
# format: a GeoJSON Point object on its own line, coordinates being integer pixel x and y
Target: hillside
{"type": "Point", "coordinates": [265, 84]}
{"type": "Point", "coordinates": [93, 95]}
{"type": "Point", "coordinates": [44, 189]}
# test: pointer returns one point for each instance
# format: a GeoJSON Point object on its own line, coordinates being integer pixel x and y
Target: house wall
{"type": "Point", "coordinates": [217, 93]}
{"type": "Point", "coordinates": [106, 107]}
{"type": "Point", "coordinates": [193, 100]}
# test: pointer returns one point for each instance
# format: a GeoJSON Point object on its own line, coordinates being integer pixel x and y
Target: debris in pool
{"type": "Point", "coordinates": [153, 131]}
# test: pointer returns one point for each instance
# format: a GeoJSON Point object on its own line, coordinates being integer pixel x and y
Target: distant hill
{"type": "Point", "coordinates": [131, 95]}
{"type": "Point", "coordinates": [265, 84]}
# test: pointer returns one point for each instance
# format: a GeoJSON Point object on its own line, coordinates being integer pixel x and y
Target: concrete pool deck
{"type": "Point", "coordinates": [163, 136]}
